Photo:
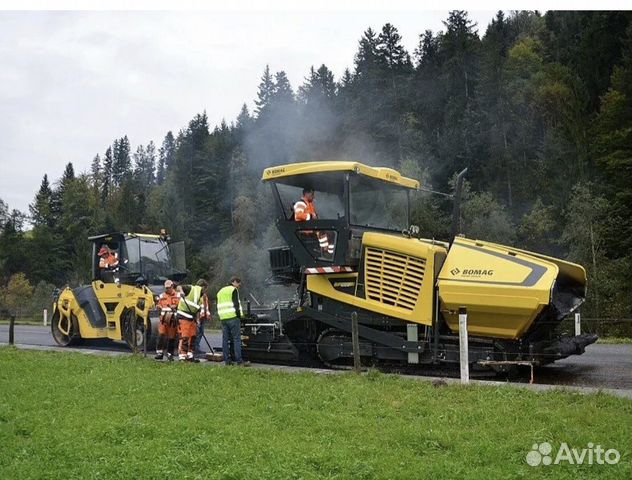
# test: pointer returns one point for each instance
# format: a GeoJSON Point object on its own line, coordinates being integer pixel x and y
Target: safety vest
{"type": "Point", "coordinates": [167, 301]}
{"type": "Point", "coordinates": [225, 306]}
{"type": "Point", "coordinates": [190, 305]}
{"type": "Point", "coordinates": [303, 210]}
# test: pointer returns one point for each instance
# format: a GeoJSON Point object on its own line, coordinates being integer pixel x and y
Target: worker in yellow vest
{"type": "Point", "coordinates": [230, 313]}
{"type": "Point", "coordinates": [192, 302]}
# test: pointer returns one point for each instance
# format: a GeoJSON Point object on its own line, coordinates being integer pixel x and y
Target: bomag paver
{"type": "Point", "coordinates": [405, 289]}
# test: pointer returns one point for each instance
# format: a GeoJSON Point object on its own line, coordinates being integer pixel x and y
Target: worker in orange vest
{"type": "Point", "coordinates": [107, 258]}
{"type": "Point", "coordinates": [168, 325]}
{"type": "Point", "coordinates": [108, 262]}
{"type": "Point", "coordinates": [304, 211]}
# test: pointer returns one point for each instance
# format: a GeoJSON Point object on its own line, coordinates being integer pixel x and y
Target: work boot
{"type": "Point", "coordinates": [158, 356]}
{"type": "Point", "coordinates": [191, 358]}
{"type": "Point", "coordinates": [244, 364]}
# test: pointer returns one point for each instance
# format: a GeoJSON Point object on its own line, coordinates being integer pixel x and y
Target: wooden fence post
{"type": "Point", "coordinates": [11, 329]}
{"type": "Point", "coordinates": [355, 339]}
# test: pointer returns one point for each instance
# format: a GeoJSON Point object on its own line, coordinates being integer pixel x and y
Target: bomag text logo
{"type": "Point", "coordinates": [472, 272]}
{"type": "Point", "coordinates": [275, 171]}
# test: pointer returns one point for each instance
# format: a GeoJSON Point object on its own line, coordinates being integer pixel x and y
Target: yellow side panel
{"type": "Point", "coordinates": [503, 289]}
{"type": "Point", "coordinates": [398, 278]}
{"type": "Point", "coordinates": [573, 271]}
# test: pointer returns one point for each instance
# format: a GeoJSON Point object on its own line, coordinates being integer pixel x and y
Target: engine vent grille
{"type": "Point", "coordinates": [393, 278]}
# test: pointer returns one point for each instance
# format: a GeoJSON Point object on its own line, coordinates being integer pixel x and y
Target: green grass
{"type": "Point", "coordinates": [68, 415]}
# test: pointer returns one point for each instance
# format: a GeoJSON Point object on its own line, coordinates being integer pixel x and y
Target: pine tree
{"type": "Point", "coordinates": [121, 163]}
{"type": "Point", "coordinates": [106, 180]}
{"type": "Point", "coordinates": [282, 93]}
{"type": "Point", "coordinates": [459, 74]}
{"type": "Point", "coordinates": [57, 195]}
{"type": "Point", "coordinates": [191, 159]}
{"type": "Point", "coordinates": [345, 80]}
{"type": "Point", "coordinates": [150, 165]}
{"type": "Point", "coordinates": [40, 209]}
{"type": "Point", "coordinates": [166, 157]}
{"type": "Point", "coordinates": [319, 86]}
{"type": "Point", "coordinates": [168, 148]}
{"type": "Point", "coordinates": [366, 58]}
{"type": "Point", "coordinates": [145, 165]}
{"type": "Point", "coordinates": [390, 51]}
{"type": "Point", "coordinates": [160, 168]}
{"type": "Point", "coordinates": [265, 92]}
{"type": "Point", "coordinates": [244, 118]}
{"type": "Point", "coordinates": [494, 98]}
{"type": "Point", "coordinates": [427, 51]}
{"type": "Point", "coordinates": [45, 235]}
{"type": "Point", "coordinates": [395, 63]}
{"type": "Point", "coordinates": [460, 45]}
{"type": "Point", "coordinates": [364, 98]}
{"type": "Point", "coordinates": [95, 170]}
{"type": "Point", "coordinates": [612, 147]}
{"type": "Point", "coordinates": [15, 252]}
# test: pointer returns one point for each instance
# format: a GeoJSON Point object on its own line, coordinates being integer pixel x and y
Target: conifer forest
{"type": "Point", "coordinates": [538, 107]}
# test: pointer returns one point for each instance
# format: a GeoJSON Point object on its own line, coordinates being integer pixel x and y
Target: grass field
{"type": "Point", "coordinates": [68, 415]}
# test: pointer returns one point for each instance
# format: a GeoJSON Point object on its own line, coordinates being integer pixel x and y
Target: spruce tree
{"type": "Point", "coordinates": [121, 163]}
{"type": "Point", "coordinates": [389, 50]}
{"type": "Point", "coordinates": [40, 209]}
{"type": "Point", "coordinates": [95, 170]}
{"type": "Point", "coordinates": [166, 157]}
{"type": "Point", "coordinates": [57, 195]}
{"type": "Point", "coordinates": [366, 58]}
{"type": "Point", "coordinates": [265, 92]}
{"type": "Point", "coordinates": [106, 178]}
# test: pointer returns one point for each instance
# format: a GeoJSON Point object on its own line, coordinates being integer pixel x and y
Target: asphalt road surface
{"type": "Point", "coordinates": [40, 335]}
{"type": "Point", "coordinates": [602, 366]}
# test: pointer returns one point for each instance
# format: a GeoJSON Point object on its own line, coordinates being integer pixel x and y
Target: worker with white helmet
{"type": "Point", "coordinates": [168, 326]}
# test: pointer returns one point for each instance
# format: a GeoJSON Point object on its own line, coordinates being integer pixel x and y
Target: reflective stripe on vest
{"type": "Point", "coordinates": [189, 306]}
{"type": "Point", "coordinates": [225, 307]}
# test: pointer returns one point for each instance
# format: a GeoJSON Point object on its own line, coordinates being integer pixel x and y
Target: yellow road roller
{"type": "Point", "coordinates": [128, 271]}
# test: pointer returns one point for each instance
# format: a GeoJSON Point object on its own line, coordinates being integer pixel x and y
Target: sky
{"type": "Point", "coordinates": [72, 82]}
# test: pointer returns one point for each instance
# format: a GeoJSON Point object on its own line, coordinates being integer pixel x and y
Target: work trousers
{"type": "Point", "coordinates": [167, 331]}
{"type": "Point", "coordinates": [188, 332]}
{"type": "Point", "coordinates": [231, 335]}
